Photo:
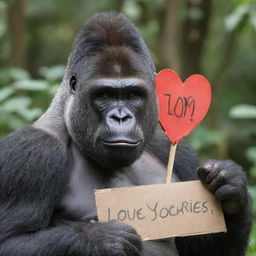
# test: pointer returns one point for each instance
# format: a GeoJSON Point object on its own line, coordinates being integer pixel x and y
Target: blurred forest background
{"type": "Point", "coordinates": [214, 38]}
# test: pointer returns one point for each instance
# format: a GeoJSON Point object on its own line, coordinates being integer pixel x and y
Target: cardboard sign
{"type": "Point", "coordinates": [164, 210]}
{"type": "Point", "coordinates": [182, 105]}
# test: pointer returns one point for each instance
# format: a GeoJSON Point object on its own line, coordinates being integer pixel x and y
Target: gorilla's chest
{"type": "Point", "coordinates": [78, 202]}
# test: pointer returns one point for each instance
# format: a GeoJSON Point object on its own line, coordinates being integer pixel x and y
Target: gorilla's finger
{"type": "Point", "coordinates": [132, 248]}
{"type": "Point", "coordinates": [135, 240]}
{"type": "Point", "coordinates": [227, 192]}
{"type": "Point", "coordinates": [205, 169]}
{"type": "Point", "coordinates": [211, 175]}
{"type": "Point", "coordinates": [218, 181]}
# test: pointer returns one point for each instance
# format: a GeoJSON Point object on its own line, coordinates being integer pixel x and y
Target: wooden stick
{"type": "Point", "coordinates": [170, 163]}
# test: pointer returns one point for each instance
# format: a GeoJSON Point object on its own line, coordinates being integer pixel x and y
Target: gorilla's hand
{"type": "Point", "coordinates": [227, 180]}
{"type": "Point", "coordinates": [113, 238]}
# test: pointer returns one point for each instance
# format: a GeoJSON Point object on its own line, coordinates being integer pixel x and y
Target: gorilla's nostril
{"type": "Point", "coordinates": [120, 117]}
{"type": "Point", "coordinates": [126, 118]}
{"type": "Point", "coordinates": [116, 118]}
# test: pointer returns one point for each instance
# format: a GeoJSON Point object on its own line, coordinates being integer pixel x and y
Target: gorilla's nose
{"type": "Point", "coordinates": [120, 116]}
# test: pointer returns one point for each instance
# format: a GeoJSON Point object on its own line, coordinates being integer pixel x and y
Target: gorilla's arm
{"type": "Point", "coordinates": [34, 172]}
{"type": "Point", "coordinates": [228, 182]}
{"type": "Point", "coordinates": [33, 169]}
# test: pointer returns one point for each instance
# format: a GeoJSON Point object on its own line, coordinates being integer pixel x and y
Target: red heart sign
{"type": "Point", "coordinates": [182, 105]}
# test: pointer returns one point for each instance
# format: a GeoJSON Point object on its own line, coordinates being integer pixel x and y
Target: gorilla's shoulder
{"type": "Point", "coordinates": [28, 137]}
{"type": "Point", "coordinates": [29, 149]}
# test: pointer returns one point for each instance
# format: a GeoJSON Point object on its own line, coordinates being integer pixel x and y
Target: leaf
{"type": "Point", "coordinates": [253, 172]}
{"type": "Point", "coordinates": [52, 73]}
{"type": "Point", "coordinates": [54, 88]}
{"type": "Point", "coordinates": [251, 154]}
{"type": "Point", "coordinates": [252, 243]}
{"type": "Point", "coordinates": [233, 20]}
{"type": "Point", "coordinates": [252, 191]}
{"type": "Point", "coordinates": [11, 120]}
{"type": "Point", "coordinates": [243, 111]}
{"type": "Point", "coordinates": [5, 93]}
{"type": "Point", "coordinates": [13, 73]}
{"type": "Point", "coordinates": [252, 17]}
{"type": "Point", "coordinates": [16, 103]}
{"type": "Point", "coordinates": [202, 138]}
{"type": "Point", "coordinates": [30, 114]}
{"type": "Point", "coordinates": [131, 9]}
{"type": "Point", "coordinates": [16, 123]}
{"type": "Point", "coordinates": [31, 85]}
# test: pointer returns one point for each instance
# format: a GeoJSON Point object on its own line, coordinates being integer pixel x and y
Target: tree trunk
{"type": "Point", "coordinates": [17, 33]}
{"type": "Point", "coordinates": [229, 50]}
{"type": "Point", "coordinates": [194, 33]}
{"type": "Point", "coordinates": [169, 41]}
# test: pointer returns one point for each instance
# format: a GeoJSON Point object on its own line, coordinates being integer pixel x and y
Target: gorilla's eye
{"type": "Point", "coordinates": [104, 96]}
{"type": "Point", "coordinates": [134, 95]}
{"type": "Point", "coordinates": [72, 84]}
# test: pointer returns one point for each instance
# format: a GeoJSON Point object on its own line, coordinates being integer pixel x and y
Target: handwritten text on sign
{"type": "Point", "coordinates": [182, 108]}
{"type": "Point", "coordinates": [156, 211]}
{"type": "Point", "coordinates": [182, 105]}
{"type": "Point", "coordinates": [165, 210]}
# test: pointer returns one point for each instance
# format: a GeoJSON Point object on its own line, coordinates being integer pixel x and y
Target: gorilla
{"type": "Point", "coordinates": [100, 131]}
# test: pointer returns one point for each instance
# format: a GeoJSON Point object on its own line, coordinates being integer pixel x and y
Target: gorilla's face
{"type": "Point", "coordinates": [111, 119]}
{"type": "Point", "coordinates": [112, 109]}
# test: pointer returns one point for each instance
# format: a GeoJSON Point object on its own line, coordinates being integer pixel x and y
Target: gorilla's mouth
{"type": "Point", "coordinates": [120, 143]}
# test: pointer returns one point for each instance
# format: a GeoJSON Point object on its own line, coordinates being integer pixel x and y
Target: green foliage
{"type": "Point", "coordinates": [252, 243]}
{"type": "Point", "coordinates": [244, 10]}
{"type": "Point", "coordinates": [52, 73]}
{"type": "Point", "coordinates": [251, 156]}
{"type": "Point", "coordinates": [243, 111]}
{"type": "Point", "coordinates": [131, 9]}
{"type": "Point", "coordinates": [203, 138]}
{"type": "Point", "coordinates": [20, 96]}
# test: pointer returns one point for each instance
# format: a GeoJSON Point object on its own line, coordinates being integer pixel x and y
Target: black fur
{"type": "Point", "coordinates": [43, 166]}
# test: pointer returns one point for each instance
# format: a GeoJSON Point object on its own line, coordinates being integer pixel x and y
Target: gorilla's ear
{"type": "Point", "coordinates": [72, 84]}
